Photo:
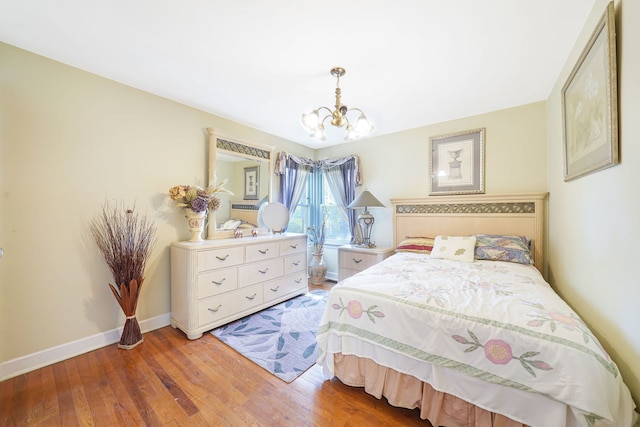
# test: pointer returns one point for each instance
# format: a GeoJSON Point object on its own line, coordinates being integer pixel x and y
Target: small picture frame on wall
{"type": "Point", "coordinates": [251, 176]}
{"type": "Point", "coordinates": [590, 104]}
{"type": "Point", "coordinates": [456, 163]}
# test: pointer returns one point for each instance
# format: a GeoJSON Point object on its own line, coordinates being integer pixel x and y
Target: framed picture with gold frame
{"type": "Point", "coordinates": [456, 163]}
{"type": "Point", "coordinates": [590, 104]}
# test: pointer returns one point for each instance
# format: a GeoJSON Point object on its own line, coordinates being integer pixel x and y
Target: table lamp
{"type": "Point", "coordinates": [365, 219]}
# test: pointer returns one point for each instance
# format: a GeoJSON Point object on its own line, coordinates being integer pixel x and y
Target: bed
{"type": "Point", "coordinates": [471, 342]}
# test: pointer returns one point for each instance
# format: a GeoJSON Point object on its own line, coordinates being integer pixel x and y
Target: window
{"type": "Point", "coordinates": [337, 228]}
{"type": "Point", "coordinates": [299, 221]}
{"type": "Point", "coordinates": [316, 201]}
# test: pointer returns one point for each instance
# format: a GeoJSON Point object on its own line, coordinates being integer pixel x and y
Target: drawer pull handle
{"type": "Point", "coordinates": [220, 282]}
{"type": "Point", "coordinates": [298, 281]}
{"type": "Point", "coordinates": [263, 252]}
{"type": "Point", "coordinates": [223, 258]}
{"type": "Point", "coordinates": [251, 297]}
{"type": "Point", "coordinates": [264, 271]}
{"type": "Point", "coordinates": [357, 261]}
{"type": "Point", "coordinates": [215, 309]}
{"type": "Point", "coordinates": [276, 289]}
{"type": "Point", "coordinates": [294, 246]}
{"type": "Point", "coordinates": [296, 263]}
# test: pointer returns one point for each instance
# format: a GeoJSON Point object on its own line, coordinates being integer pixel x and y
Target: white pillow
{"type": "Point", "coordinates": [458, 248]}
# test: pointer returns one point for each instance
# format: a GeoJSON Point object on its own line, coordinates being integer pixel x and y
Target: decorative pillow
{"type": "Point", "coordinates": [504, 248]}
{"type": "Point", "coordinates": [458, 248]}
{"type": "Point", "coordinates": [420, 245]}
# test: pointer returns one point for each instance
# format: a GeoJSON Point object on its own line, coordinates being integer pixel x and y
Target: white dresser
{"type": "Point", "coordinates": [217, 281]}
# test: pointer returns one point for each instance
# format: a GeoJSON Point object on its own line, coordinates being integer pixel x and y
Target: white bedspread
{"type": "Point", "coordinates": [492, 333]}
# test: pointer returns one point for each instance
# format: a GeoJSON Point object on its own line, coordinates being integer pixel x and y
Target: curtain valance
{"type": "Point", "coordinates": [283, 156]}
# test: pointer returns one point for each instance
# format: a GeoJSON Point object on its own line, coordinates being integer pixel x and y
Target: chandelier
{"type": "Point", "coordinates": [314, 124]}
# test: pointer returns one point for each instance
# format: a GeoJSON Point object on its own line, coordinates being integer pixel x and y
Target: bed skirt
{"type": "Point", "coordinates": [406, 391]}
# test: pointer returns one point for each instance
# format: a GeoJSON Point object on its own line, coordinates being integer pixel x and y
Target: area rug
{"type": "Point", "coordinates": [282, 338]}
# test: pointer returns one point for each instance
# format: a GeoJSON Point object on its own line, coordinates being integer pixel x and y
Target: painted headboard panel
{"type": "Point", "coordinates": [508, 214]}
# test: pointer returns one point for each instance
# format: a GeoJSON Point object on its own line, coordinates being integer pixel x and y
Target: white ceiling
{"type": "Point", "coordinates": [409, 63]}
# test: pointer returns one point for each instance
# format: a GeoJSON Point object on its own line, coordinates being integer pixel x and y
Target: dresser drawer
{"type": "Point", "coordinates": [217, 281]}
{"type": "Point", "coordinates": [218, 258]}
{"type": "Point", "coordinates": [256, 272]}
{"type": "Point", "coordinates": [261, 251]}
{"type": "Point", "coordinates": [357, 260]}
{"type": "Point", "coordinates": [293, 246]}
{"type": "Point", "coordinates": [295, 262]}
{"type": "Point", "coordinates": [218, 307]}
{"type": "Point", "coordinates": [285, 285]}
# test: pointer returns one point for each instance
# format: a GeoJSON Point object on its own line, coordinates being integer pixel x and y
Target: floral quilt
{"type": "Point", "coordinates": [492, 333]}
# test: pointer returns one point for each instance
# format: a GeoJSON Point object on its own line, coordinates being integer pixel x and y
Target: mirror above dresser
{"type": "Point", "coordinates": [249, 170]}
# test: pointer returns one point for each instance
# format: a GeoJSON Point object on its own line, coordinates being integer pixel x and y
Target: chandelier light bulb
{"type": "Point", "coordinates": [311, 120]}
{"type": "Point", "coordinates": [363, 126]}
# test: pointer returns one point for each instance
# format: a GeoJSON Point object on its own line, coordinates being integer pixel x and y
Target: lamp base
{"type": "Point", "coordinates": [365, 245]}
{"type": "Point", "coordinates": [365, 221]}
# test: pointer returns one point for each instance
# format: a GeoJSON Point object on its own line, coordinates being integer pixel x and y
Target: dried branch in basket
{"type": "Point", "coordinates": [125, 240]}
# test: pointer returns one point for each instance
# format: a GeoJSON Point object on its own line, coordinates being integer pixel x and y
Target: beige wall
{"type": "Point", "coordinates": [594, 221]}
{"type": "Point", "coordinates": [396, 165]}
{"type": "Point", "coordinates": [70, 140]}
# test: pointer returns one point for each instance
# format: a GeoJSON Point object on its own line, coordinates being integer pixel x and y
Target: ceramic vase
{"type": "Point", "coordinates": [317, 269]}
{"type": "Point", "coordinates": [196, 224]}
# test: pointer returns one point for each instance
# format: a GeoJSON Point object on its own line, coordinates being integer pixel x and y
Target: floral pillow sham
{"type": "Point", "coordinates": [504, 248]}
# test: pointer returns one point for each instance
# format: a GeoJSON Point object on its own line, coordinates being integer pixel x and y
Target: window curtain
{"type": "Point", "coordinates": [293, 179]}
{"type": "Point", "coordinates": [343, 176]}
{"type": "Point", "coordinates": [342, 183]}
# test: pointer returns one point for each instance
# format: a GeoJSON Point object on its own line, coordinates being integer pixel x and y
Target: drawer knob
{"type": "Point", "coordinates": [294, 246]}
{"type": "Point", "coordinates": [223, 258]}
{"type": "Point", "coordinates": [298, 281]}
{"type": "Point", "coordinates": [215, 309]}
{"type": "Point", "coordinates": [263, 252]}
{"type": "Point", "coordinates": [220, 282]}
{"type": "Point", "coordinates": [357, 261]}
{"type": "Point", "coordinates": [276, 289]}
{"type": "Point", "coordinates": [251, 297]}
{"type": "Point", "coordinates": [296, 263]}
{"type": "Point", "coordinates": [264, 271]}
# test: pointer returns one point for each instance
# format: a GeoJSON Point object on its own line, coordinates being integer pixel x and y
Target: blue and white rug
{"type": "Point", "coordinates": [281, 339]}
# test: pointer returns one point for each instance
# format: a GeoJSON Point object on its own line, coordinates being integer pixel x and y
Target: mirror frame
{"type": "Point", "coordinates": [223, 143]}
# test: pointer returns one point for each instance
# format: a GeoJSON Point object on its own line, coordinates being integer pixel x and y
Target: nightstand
{"type": "Point", "coordinates": [352, 259]}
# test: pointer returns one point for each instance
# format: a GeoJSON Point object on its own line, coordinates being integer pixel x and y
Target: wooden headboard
{"type": "Point", "coordinates": [244, 211]}
{"type": "Point", "coordinates": [508, 214]}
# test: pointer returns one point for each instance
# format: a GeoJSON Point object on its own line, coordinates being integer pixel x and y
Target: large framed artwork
{"type": "Point", "coordinates": [456, 163]}
{"type": "Point", "coordinates": [590, 104]}
{"type": "Point", "coordinates": [251, 176]}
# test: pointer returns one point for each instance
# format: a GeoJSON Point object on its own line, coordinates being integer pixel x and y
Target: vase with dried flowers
{"type": "Point", "coordinates": [125, 240]}
{"type": "Point", "coordinates": [317, 266]}
{"type": "Point", "coordinates": [198, 202]}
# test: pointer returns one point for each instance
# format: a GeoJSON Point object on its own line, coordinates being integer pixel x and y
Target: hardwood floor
{"type": "Point", "coordinates": [170, 380]}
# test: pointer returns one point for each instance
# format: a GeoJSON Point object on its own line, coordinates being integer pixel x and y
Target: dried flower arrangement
{"type": "Point", "coordinates": [198, 199]}
{"type": "Point", "coordinates": [316, 237]}
{"type": "Point", "coordinates": [125, 240]}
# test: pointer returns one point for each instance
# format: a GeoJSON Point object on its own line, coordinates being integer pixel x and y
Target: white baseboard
{"type": "Point", "coordinates": [14, 367]}
{"type": "Point", "coordinates": [332, 275]}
